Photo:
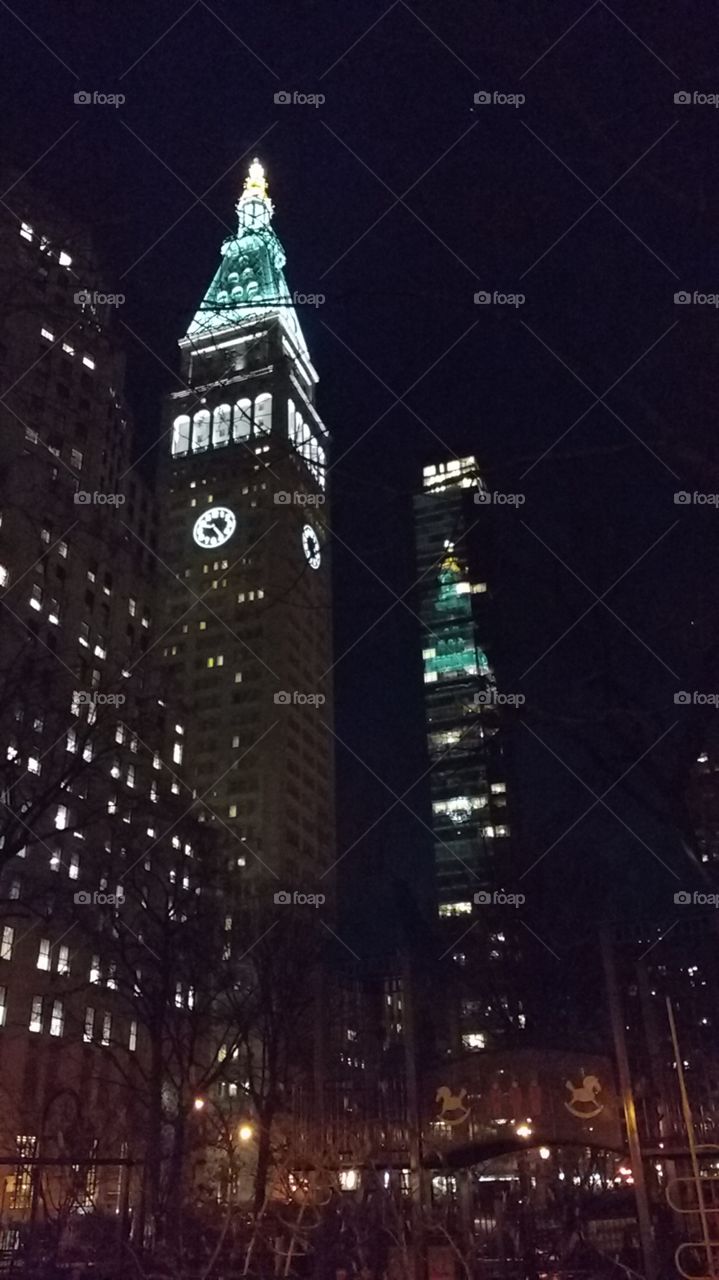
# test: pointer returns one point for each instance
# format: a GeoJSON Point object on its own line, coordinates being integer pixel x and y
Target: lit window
{"type": "Point", "coordinates": [131, 607]}
{"type": "Point", "coordinates": [89, 1025]}
{"type": "Point", "coordinates": [14, 891]}
{"type": "Point", "coordinates": [455, 909]}
{"type": "Point", "coordinates": [88, 362]}
{"type": "Point", "coordinates": [203, 626]}
{"type": "Point", "coordinates": [45, 333]}
{"type": "Point", "coordinates": [6, 942]}
{"type": "Point", "coordinates": [233, 811]}
{"type": "Point", "coordinates": [221, 421]}
{"type": "Point", "coordinates": [36, 598]}
{"type": "Point", "coordinates": [43, 955]}
{"type": "Point", "coordinates": [73, 870]}
{"type": "Point", "coordinates": [498, 788]}
{"type": "Point", "coordinates": [64, 259]}
{"type": "Point", "coordinates": [131, 775]}
{"type": "Point", "coordinates": [263, 413]}
{"type": "Point", "coordinates": [36, 1014]}
{"type": "Point", "coordinates": [177, 753]}
{"type": "Point", "coordinates": [33, 764]}
{"type": "Point", "coordinates": [178, 995]}
{"type": "Point", "coordinates": [236, 740]}
{"type": "Point", "coordinates": [106, 1028]}
{"type": "Point", "coordinates": [68, 349]}
{"type": "Point", "coordinates": [201, 431]}
{"type": "Point", "coordinates": [57, 1018]}
{"type": "Point", "coordinates": [95, 969]}
{"type": "Point", "coordinates": [63, 959]}
{"type": "Point", "coordinates": [76, 459]}
{"type": "Point", "coordinates": [26, 231]}
{"type": "Point", "coordinates": [474, 1040]}
{"type": "Point", "coordinates": [132, 1042]}
{"type": "Point", "coordinates": [238, 677]}
{"type": "Point", "coordinates": [3, 1005]}
{"type": "Point", "coordinates": [62, 817]}
{"type": "Point", "coordinates": [181, 434]}
{"type": "Point", "coordinates": [4, 576]}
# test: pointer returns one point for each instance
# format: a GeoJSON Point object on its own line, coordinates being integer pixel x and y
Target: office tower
{"type": "Point", "coordinates": [245, 534]}
{"type": "Point", "coordinates": [468, 778]}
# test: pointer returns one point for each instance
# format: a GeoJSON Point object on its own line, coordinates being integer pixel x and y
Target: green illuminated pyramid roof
{"type": "Point", "coordinates": [249, 284]}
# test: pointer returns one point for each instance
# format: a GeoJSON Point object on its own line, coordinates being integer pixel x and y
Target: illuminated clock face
{"type": "Point", "coordinates": [311, 547]}
{"type": "Point", "coordinates": [214, 527]}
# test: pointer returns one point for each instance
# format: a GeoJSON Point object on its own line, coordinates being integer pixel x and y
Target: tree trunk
{"type": "Point", "coordinates": [263, 1159]}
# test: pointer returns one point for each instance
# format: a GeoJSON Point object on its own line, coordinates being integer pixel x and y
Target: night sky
{"type": "Point", "coordinates": [398, 198]}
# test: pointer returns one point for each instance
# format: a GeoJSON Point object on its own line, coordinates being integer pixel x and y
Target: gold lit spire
{"type": "Point", "coordinates": [255, 182]}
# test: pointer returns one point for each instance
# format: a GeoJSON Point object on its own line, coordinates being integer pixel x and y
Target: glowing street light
{"type": "Point", "coordinates": [245, 1132]}
{"type": "Point", "coordinates": [545, 1153]}
{"type": "Point", "coordinates": [524, 1131]}
{"type": "Point", "coordinates": [199, 1104]}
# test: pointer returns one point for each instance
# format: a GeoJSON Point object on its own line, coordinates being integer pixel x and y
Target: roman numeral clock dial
{"type": "Point", "coordinates": [214, 527]}
{"type": "Point", "coordinates": [311, 547]}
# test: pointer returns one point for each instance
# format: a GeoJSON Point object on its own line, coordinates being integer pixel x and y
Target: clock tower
{"type": "Point", "coordinates": [245, 534]}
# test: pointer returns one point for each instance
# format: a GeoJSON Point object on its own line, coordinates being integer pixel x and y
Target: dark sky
{"type": "Point", "coordinates": [596, 198]}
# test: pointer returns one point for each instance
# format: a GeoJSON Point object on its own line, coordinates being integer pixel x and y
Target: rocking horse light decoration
{"type": "Point", "coordinates": [452, 1110]}
{"type": "Point", "coordinates": [583, 1102]}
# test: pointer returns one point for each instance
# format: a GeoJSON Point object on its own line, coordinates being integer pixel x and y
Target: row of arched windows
{"type": "Point", "coordinates": [205, 429]}
{"type": "Point", "coordinates": [306, 443]}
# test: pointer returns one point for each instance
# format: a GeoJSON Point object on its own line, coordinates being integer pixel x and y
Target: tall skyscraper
{"type": "Point", "coordinates": [245, 534]}
{"type": "Point", "coordinates": [468, 773]}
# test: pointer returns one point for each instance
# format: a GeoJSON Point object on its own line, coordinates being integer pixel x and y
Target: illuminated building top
{"type": "Point", "coordinates": [249, 284]}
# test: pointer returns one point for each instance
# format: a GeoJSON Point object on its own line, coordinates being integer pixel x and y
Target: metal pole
{"type": "Point", "coordinates": [414, 1117]}
{"type": "Point", "coordinates": [630, 1115]}
{"type": "Point", "coordinates": [689, 1125]}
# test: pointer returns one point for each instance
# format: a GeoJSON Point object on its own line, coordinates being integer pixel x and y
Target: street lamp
{"type": "Point", "coordinates": [199, 1104]}
{"type": "Point", "coordinates": [245, 1132]}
